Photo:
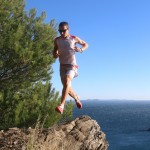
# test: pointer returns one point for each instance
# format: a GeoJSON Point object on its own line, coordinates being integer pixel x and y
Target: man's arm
{"type": "Point", "coordinates": [82, 43]}
{"type": "Point", "coordinates": [55, 52]}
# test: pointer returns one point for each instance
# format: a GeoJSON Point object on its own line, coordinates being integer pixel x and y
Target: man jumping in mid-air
{"type": "Point", "coordinates": [65, 48]}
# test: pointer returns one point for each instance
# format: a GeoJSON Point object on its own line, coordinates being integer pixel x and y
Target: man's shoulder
{"type": "Point", "coordinates": [58, 37]}
{"type": "Point", "coordinates": [73, 36]}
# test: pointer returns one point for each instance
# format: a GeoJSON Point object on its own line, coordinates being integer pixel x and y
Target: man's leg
{"type": "Point", "coordinates": [65, 91]}
{"type": "Point", "coordinates": [76, 98]}
{"type": "Point", "coordinates": [72, 94]}
{"type": "Point", "coordinates": [66, 88]}
{"type": "Point", "coordinates": [69, 90]}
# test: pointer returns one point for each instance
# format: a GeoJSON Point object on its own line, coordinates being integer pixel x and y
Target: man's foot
{"type": "Point", "coordinates": [59, 109]}
{"type": "Point", "coordinates": [78, 102]}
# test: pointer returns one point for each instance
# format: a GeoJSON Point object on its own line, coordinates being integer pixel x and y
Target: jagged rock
{"type": "Point", "coordinates": [83, 133]}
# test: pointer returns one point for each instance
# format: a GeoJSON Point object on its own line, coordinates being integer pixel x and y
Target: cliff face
{"type": "Point", "coordinates": [83, 133]}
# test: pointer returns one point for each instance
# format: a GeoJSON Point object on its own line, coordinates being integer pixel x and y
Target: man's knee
{"type": "Point", "coordinates": [67, 81]}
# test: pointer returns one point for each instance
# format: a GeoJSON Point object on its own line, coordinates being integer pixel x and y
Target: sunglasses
{"type": "Point", "coordinates": [62, 30]}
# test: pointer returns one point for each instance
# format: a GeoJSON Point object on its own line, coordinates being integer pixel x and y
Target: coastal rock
{"type": "Point", "coordinates": [83, 133]}
{"type": "Point", "coordinates": [148, 129]}
{"type": "Point", "coordinates": [145, 130]}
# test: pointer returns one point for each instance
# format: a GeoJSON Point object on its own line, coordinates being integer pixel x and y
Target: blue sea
{"type": "Point", "coordinates": [125, 122]}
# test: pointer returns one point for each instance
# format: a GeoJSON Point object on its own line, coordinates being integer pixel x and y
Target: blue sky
{"type": "Point", "coordinates": [117, 63]}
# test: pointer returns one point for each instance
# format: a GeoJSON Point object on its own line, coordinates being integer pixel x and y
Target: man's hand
{"type": "Point", "coordinates": [78, 49]}
{"type": "Point", "coordinates": [55, 54]}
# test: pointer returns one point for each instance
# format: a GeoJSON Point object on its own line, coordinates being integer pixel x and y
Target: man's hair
{"type": "Point", "coordinates": [63, 24]}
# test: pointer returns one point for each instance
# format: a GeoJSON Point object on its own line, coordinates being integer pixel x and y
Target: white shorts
{"type": "Point", "coordinates": [68, 70]}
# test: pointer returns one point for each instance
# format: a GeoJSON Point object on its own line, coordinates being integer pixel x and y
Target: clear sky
{"type": "Point", "coordinates": [117, 63]}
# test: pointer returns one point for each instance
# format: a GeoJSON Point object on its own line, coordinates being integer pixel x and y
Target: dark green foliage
{"type": "Point", "coordinates": [26, 45]}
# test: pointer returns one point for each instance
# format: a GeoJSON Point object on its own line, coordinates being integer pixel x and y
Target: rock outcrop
{"type": "Point", "coordinates": [83, 133]}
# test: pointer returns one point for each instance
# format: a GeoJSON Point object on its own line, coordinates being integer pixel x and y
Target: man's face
{"type": "Point", "coordinates": [64, 31]}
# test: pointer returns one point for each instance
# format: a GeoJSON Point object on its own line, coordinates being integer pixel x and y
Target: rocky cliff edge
{"type": "Point", "coordinates": [83, 133]}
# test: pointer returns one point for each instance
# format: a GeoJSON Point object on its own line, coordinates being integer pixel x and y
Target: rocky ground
{"type": "Point", "coordinates": [83, 133]}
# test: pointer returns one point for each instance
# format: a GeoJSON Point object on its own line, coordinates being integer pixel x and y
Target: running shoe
{"type": "Point", "coordinates": [59, 109]}
{"type": "Point", "coordinates": [79, 104]}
